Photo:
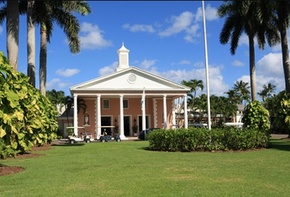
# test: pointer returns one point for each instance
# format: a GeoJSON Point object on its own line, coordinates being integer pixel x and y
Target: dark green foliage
{"type": "Point", "coordinates": [279, 108]}
{"type": "Point", "coordinates": [200, 139]}
{"type": "Point", "coordinates": [26, 117]}
{"type": "Point", "coordinates": [256, 116]}
{"type": "Point", "coordinates": [6, 151]}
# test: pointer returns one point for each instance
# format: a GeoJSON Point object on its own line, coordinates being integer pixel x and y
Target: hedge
{"type": "Point", "coordinates": [200, 139]}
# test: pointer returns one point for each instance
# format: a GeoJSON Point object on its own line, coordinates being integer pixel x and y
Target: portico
{"type": "Point", "coordinates": [129, 96]}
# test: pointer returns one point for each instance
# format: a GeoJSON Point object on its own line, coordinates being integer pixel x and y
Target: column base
{"type": "Point", "coordinates": [123, 137]}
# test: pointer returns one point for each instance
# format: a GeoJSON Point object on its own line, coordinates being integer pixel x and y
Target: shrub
{"type": "Point", "coordinates": [26, 117]}
{"type": "Point", "coordinates": [279, 108]}
{"type": "Point", "coordinates": [200, 139]}
{"type": "Point", "coordinates": [256, 117]}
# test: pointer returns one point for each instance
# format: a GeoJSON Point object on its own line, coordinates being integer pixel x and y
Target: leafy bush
{"type": "Point", "coordinates": [200, 139]}
{"type": "Point", "coordinates": [279, 108]}
{"type": "Point", "coordinates": [256, 117]}
{"type": "Point", "coordinates": [26, 117]}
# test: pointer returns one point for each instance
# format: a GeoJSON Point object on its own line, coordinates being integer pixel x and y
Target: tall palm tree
{"type": "Point", "coordinates": [267, 91]}
{"type": "Point", "coordinates": [244, 16]}
{"type": "Point", "coordinates": [61, 12]}
{"type": "Point", "coordinates": [281, 21]}
{"type": "Point", "coordinates": [24, 6]}
{"type": "Point", "coordinates": [12, 33]}
{"type": "Point", "coordinates": [30, 43]}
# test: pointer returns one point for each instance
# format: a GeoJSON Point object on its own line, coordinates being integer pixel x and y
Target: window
{"type": "Point", "coordinates": [125, 104]}
{"type": "Point", "coordinates": [106, 104]}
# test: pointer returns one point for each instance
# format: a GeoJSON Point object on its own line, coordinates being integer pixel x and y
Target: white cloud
{"type": "Point", "coordinates": [67, 72]}
{"type": "Point", "coordinates": [270, 65]}
{"type": "Point", "coordinates": [262, 80]}
{"type": "Point", "coordinates": [269, 70]}
{"type": "Point", "coordinates": [237, 63]}
{"type": "Point", "coordinates": [191, 33]}
{"type": "Point", "coordinates": [148, 64]}
{"type": "Point", "coordinates": [56, 83]}
{"type": "Point", "coordinates": [184, 62]}
{"type": "Point", "coordinates": [139, 28]}
{"type": "Point", "coordinates": [91, 37]}
{"type": "Point", "coordinates": [216, 82]}
{"type": "Point", "coordinates": [179, 23]}
{"type": "Point", "coordinates": [210, 13]}
{"type": "Point", "coordinates": [108, 69]}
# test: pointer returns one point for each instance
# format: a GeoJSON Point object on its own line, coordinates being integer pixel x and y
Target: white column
{"type": "Point", "coordinates": [75, 115]}
{"type": "Point", "coordinates": [122, 136]}
{"type": "Point", "coordinates": [173, 115]}
{"type": "Point", "coordinates": [164, 112]}
{"type": "Point", "coordinates": [185, 112]}
{"type": "Point", "coordinates": [98, 132]}
{"type": "Point", "coordinates": [155, 113]}
{"type": "Point", "coordinates": [143, 110]}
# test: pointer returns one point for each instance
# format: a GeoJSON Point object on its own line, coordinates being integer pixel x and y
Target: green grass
{"type": "Point", "coordinates": [127, 169]}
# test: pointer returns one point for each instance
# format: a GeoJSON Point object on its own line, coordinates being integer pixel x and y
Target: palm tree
{"type": "Point", "coordinates": [200, 104]}
{"type": "Point", "coordinates": [12, 33]}
{"type": "Point", "coordinates": [30, 44]}
{"type": "Point", "coordinates": [244, 16]}
{"type": "Point", "coordinates": [267, 91]}
{"type": "Point", "coordinates": [242, 90]}
{"type": "Point", "coordinates": [233, 97]}
{"type": "Point", "coordinates": [194, 85]}
{"type": "Point", "coordinates": [69, 103]}
{"type": "Point", "coordinates": [57, 99]}
{"type": "Point", "coordinates": [281, 22]}
{"type": "Point", "coordinates": [48, 12]}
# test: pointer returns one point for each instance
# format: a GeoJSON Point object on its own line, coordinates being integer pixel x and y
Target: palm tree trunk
{"type": "Point", "coordinates": [42, 59]}
{"type": "Point", "coordinates": [252, 68]}
{"type": "Point", "coordinates": [285, 58]}
{"type": "Point", "coordinates": [12, 32]}
{"type": "Point", "coordinates": [30, 44]}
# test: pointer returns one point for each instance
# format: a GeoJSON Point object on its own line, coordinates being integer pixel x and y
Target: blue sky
{"type": "Point", "coordinates": [165, 38]}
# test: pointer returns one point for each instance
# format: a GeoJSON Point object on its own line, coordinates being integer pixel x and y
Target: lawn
{"type": "Point", "coordinates": [127, 169]}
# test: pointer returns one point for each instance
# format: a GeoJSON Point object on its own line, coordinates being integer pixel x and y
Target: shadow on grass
{"type": "Point", "coordinates": [67, 144]}
{"type": "Point", "coordinates": [280, 144]}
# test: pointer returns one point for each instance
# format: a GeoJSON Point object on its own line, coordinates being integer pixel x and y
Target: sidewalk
{"type": "Point", "coordinates": [279, 136]}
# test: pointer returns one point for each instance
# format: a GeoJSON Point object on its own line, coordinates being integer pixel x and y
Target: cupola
{"type": "Point", "coordinates": [123, 58]}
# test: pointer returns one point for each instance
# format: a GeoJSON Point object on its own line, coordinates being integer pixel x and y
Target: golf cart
{"type": "Point", "coordinates": [85, 138]}
{"type": "Point", "coordinates": [106, 137]}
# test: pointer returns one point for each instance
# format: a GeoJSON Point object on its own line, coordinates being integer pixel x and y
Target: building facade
{"type": "Point", "coordinates": [126, 101]}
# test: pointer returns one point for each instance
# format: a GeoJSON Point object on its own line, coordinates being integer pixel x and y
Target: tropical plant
{"type": "Point", "coordinates": [200, 105]}
{"type": "Point", "coordinates": [267, 91]}
{"type": "Point", "coordinates": [256, 117]}
{"type": "Point", "coordinates": [242, 90]}
{"type": "Point", "coordinates": [12, 32]}
{"type": "Point", "coordinates": [69, 103]}
{"type": "Point", "coordinates": [57, 98]}
{"type": "Point", "coordinates": [194, 85]}
{"type": "Point", "coordinates": [233, 97]}
{"type": "Point", "coordinates": [50, 11]}
{"type": "Point", "coordinates": [245, 16]}
{"type": "Point", "coordinates": [279, 108]}
{"type": "Point", "coordinates": [26, 117]}
{"type": "Point", "coordinates": [280, 12]}
{"type": "Point", "coordinates": [30, 43]}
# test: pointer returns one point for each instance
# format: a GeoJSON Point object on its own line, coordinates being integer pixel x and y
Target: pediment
{"type": "Point", "coordinates": [130, 79]}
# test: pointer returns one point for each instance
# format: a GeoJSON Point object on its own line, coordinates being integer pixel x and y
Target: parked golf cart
{"type": "Point", "coordinates": [107, 138]}
{"type": "Point", "coordinates": [85, 138]}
